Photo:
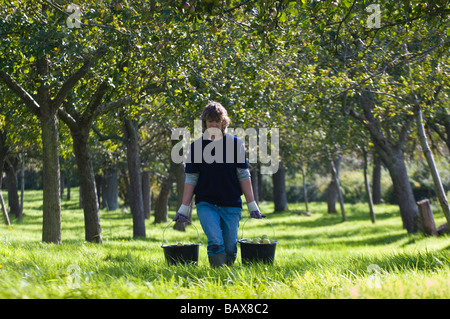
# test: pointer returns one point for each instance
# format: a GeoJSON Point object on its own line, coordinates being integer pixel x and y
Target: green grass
{"type": "Point", "coordinates": [317, 257]}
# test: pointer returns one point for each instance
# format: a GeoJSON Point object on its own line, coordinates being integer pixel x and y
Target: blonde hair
{"type": "Point", "coordinates": [214, 111]}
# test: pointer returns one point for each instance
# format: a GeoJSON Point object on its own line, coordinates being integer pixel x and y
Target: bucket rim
{"type": "Point", "coordinates": [243, 241]}
{"type": "Point", "coordinates": [187, 245]}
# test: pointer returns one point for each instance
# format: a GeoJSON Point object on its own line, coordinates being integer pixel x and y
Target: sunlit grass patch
{"type": "Point", "coordinates": [318, 256]}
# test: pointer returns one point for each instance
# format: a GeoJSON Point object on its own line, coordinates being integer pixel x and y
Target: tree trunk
{"type": "Point", "coordinates": [61, 185]}
{"type": "Point", "coordinates": [335, 176]}
{"type": "Point", "coordinates": [332, 197]}
{"type": "Point", "coordinates": [3, 153]}
{"type": "Point", "coordinates": [22, 183]}
{"type": "Point", "coordinates": [395, 162]}
{"type": "Point", "coordinates": [305, 190]}
{"type": "Point", "coordinates": [367, 186]}
{"type": "Point", "coordinates": [332, 192]}
{"type": "Point", "coordinates": [134, 171]}
{"type": "Point", "coordinates": [260, 183]}
{"type": "Point", "coordinates": [431, 164]}
{"type": "Point", "coordinates": [161, 202]}
{"type": "Point", "coordinates": [68, 185]}
{"type": "Point", "coordinates": [111, 189]}
{"type": "Point", "coordinates": [146, 193]}
{"type": "Point", "coordinates": [11, 184]}
{"type": "Point", "coordinates": [51, 225]}
{"type": "Point", "coordinates": [100, 186]}
{"type": "Point", "coordinates": [279, 189]}
{"type": "Point", "coordinates": [376, 179]}
{"type": "Point", "coordinates": [88, 190]}
{"type": "Point", "coordinates": [124, 187]}
{"type": "Point", "coordinates": [255, 183]}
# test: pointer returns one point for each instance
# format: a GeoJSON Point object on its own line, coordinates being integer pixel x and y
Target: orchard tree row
{"type": "Point", "coordinates": [333, 76]}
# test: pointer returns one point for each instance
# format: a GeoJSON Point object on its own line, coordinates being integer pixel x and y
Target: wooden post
{"type": "Point", "coordinates": [428, 225]}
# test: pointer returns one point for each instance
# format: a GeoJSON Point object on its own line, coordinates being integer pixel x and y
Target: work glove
{"type": "Point", "coordinates": [254, 210]}
{"type": "Point", "coordinates": [182, 214]}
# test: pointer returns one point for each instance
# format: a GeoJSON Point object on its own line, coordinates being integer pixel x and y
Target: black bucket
{"type": "Point", "coordinates": [257, 252]}
{"type": "Point", "coordinates": [181, 254]}
{"type": "Point", "coordinates": [185, 254]}
{"type": "Point", "coordinates": [264, 253]}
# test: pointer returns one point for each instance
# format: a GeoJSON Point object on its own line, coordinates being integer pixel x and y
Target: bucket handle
{"type": "Point", "coordinates": [263, 216]}
{"type": "Point", "coordinates": [165, 228]}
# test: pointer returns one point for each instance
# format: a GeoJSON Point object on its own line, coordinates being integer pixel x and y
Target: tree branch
{"type": "Point", "coordinates": [105, 137]}
{"type": "Point", "coordinates": [70, 83]}
{"type": "Point", "coordinates": [404, 132]}
{"type": "Point", "coordinates": [74, 78]}
{"type": "Point", "coordinates": [20, 92]}
{"type": "Point", "coordinates": [67, 118]}
{"type": "Point", "coordinates": [151, 88]}
{"type": "Point", "coordinates": [96, 100]}
{"type": "Point", "coordinates": [106, 107]}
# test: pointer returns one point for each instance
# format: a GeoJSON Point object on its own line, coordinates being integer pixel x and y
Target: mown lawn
{"type": "Point", "coordinates": [318, 256]}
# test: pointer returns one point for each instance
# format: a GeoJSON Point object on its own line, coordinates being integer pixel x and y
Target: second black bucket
{"type": "Point", "coordinates": [251, 252]}
{"type": "Point", "coordinates": [257, 252]}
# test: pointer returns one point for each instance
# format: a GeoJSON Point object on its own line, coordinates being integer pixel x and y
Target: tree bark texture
{"type": "Point", "coordinates": [335, 177]}
{"type": "Point", "coordinates": [110, 189]}
{"type": "Point", "coordinates": [376, 179]}
{"type": "Point", "coordinates": [305, 189]}
{"type": "Point", "coordinates": [51, 225]}
{"type": "Point", "coordinates": [88, 190]}
{"type": "Point", "coordinates": [260, 183]}
{"type": "Point", "coordinates": [367, 186]}
{"type": "Point", "coordinates": [161, 202]}
{"type": "Point", "coordinates": [99, 185]}
{"type": "Point", "coordinates": [279, 190]}
{"type": "Point", "coordinates": [134, 172]}
{"type": "Point", "coordinates": [395, 162]}
{"type": "Point", "coordinates": [3, 153]}
{"type": "Point", "coordinates": [255, 182]}
{"type": "Point", "coordinates": [332, 192]}
{"type": "Point", "coordinates": [11, 184]}
{"type": "Point", "coordinates": [146, 193]}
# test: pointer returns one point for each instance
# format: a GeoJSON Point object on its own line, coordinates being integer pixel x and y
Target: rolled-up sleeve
{"type": "Point", "coordinates": [242, 174]}
{"type": "Point", "coordinates": [191, 178]}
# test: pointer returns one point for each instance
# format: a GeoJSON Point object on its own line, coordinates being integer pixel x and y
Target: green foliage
{"type": "Point", "coordinates": [296, 65]}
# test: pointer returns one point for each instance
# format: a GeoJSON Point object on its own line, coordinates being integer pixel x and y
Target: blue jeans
{"type": "Point", "coordinates": [220, 224]}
